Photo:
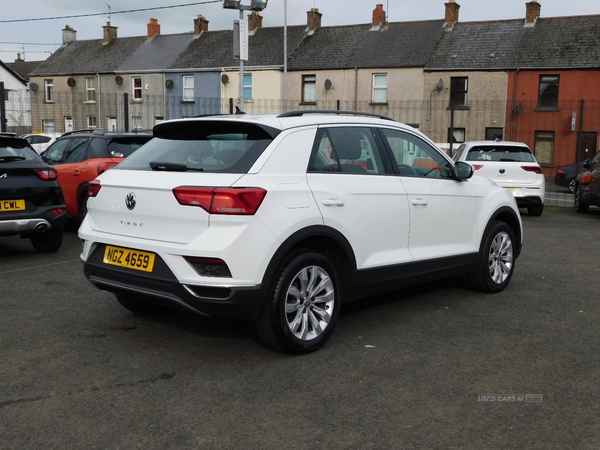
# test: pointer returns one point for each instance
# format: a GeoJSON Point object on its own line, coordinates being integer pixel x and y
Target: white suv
{"type": "Point", "coordinates": [510, 165]}
{"type": "Point", "coordinates": [281, 219]}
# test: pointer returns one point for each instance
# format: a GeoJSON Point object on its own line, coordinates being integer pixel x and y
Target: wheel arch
{"type": "Point", "coordinates": [508, 216]}
{"type": "Point", "coordinates": [82, 191]}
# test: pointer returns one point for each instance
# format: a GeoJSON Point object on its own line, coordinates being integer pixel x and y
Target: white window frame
{"type": "Point", "coordinates": [187, 85]}
{"type": "Point", "coordinates": [247, 87]}
{"type": "Point", "coordinates": [90, 90]}
{"type": "Point", "coordinates": [92, 122]}
{"type": "Point", "coordinates": [48, 126]}
{"type": "Point", "coordinates": [136, 121]}
{"type": "Point", "coordinates": [49, 91]}
{"type": "Point", "coordinates": [380, 88]}
{"type": "Point", "coordinates": [137, 89]}
{"type": "Point", "coordinates": [309, 88]}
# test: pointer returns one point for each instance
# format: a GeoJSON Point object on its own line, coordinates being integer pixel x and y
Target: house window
{"type": "Point", "coordinates": [548, 91]}
{"type": "Point", "coordinates": [247, 86]}
{"type": "Point", "coordinates": [188, 88]}
{"type": "Point", "coordinates": [458, 91]}
{"type": "Point", "coordinates": [493, 134]}
{"type": "Point", "coordinates": [158, 119]}
{"type": "Point", "coordinates": [48, 126]}
{"type": "Point", "coordinates": [137, 122]}
{"type": "Point", "coordinates": [92, 121]}
{"type": "Point", "coordinates": [457, 136]}
{"type": "Point", "coordinates": [112, 123]}
{"type": "Point", "coordinates": [544, 147]}
{"type": "Point", "coordinates": [90, 89]}
{"type": "Point", "coordinates": [5, 95]}
{"type": "Point", "coordinates": [49, 91]}
{"type": "Point", "coordinates": [380, 88]}
{"type": "Point", "coordinates": [136, 87]}
{"type": "Point", "coordinates": [309, 88]}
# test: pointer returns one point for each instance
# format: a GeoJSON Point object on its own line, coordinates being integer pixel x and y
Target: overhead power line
{"type": "Point", "coordinates": [113, 12]}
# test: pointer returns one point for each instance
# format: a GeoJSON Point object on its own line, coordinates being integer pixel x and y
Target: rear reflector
{"type": "Point", "coordinates": [209, 267]}
{"type": "Point", "coordinates": [93, 188]}
{"type": "Point", "coordinates": [536, 169]}
{"type": "Point", "coordinates": [222, 200]}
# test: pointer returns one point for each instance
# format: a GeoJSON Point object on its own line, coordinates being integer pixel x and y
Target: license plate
{"type": "Point", "coordinates": [513, 191]}
{"type": "Point", "coordinates": [126, 257]}
{"type": "Point", "coordinates": [12, 205]}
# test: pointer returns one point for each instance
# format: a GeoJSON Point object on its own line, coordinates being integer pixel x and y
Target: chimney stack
{"type": "Point", "coordinates": [532, 13]}
{"type": "Point", "coordinates": [110, 33]}
{"type": "Point", "coordinates": [200, 25]}
{"type": "Point", "coordinates": [153, 28]}
{"type": "Point", "coordinates": [68, 35]}
{"type": "Point", "coordinates": [18, 58]}
{"type": "Point", "coordinates": [378, 16]}
{"type": "Point", "coordinates": [254, 21]}
{"type": "Point", "coordinates": [451, 13]}
{"type": "Point", "coordinates": [314, 19]}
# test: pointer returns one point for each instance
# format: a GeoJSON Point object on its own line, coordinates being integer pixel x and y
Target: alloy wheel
{"type": "Point", "coordinates": [500, 257]}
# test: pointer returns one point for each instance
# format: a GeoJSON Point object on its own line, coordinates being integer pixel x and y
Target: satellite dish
{"type": "Point", "coordinates": [169, 84]}
{"type": "Point", "coordinates": [119, 80]}
{"type": "Point", "coordinates": [34, 87]}
{"type": "Point", "coordinates": [71, 82]}
{"type": "Point", "coordinates": [224, 78]}
{"type": "Point", "coordinates": [440, 85]}
{"type": "Point", "coordinates": [328, 84]}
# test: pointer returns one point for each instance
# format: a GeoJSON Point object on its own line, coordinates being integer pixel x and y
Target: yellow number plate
{"type": "Point", "coordinates": [125, 257]}
{"type": "Point", "coordinates": [12, 205]}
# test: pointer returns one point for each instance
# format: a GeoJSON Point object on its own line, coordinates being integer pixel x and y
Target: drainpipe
{"type": "Point", "coordinates": [356, 89]}
{"type": "Point", "coordinates": [513, 113]}
{"type": "Point", "coordinates": [99, 124]}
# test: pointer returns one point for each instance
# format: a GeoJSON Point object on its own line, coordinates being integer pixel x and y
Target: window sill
{"type": "Point", "coordinates": [379, 104]}
{"type": "Point", "coordinates": [89, 102]}
{"type": "Point", "coordinates": [546, 109]}
{"type": "Point", "coordinates": [308, 103]}
{"type": "Point", "coordinates": [188, 101]}
{"type": "Point", "coordinates": [459, 108]}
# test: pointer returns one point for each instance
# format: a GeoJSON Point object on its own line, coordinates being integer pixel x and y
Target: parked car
{"type": "Point", "coordinates": [31, 202]}
{"type": "Point", "coordinates": [510, 165]}
{"type": "Point", "coordinates": [40, 142]}
{"type": "Point", "coordinates": [566, 176]}
{"type": "Point", "coordinates": [80, 156]}
{"type": "Point", "coordinates": [263, 225]}
{"type": "Point", "coordinates": [587, 190]}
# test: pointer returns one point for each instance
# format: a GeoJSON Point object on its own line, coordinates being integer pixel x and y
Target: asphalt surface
{"type": "Point", "coordinates": [402, 370]}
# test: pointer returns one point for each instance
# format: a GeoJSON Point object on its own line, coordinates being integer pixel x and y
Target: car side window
{"type": "Point", "coordinates": [346, 150]}
{"type": "Point", "coordinates": [414, 157]}
{"type": "Point", "coordinates": [56, 151]}
{"type": "Point", "coordinates": [78, 150]}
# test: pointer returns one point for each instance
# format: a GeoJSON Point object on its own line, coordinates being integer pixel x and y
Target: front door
{"type": "Point", "coordinates": [588, 147]}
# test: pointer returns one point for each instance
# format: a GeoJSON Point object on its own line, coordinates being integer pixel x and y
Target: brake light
{"type": "Point", "coordinates": [587, 178]}
{"type": "Point", "coordinates": [560, 172]}
{"type": "Point", "coordinates": [105, 166]}
{"type": "Point", "coordinates": [222, 200]}
{"type": "Point", "coordinates": [46, 174]}
{"type": "Point", "coordinates": [477, 166]}
{"type": "Point", "coordinates": [93, 188]}
{"type": "Point", "coordinates": [536, 169]}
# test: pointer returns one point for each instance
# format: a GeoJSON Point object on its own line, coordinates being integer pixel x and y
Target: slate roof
{"type": "Point", "coordinates": [13, 72]}
{"type": "Point", "coordinates": [156, 53]}
{"type": "Point", "coordinates": [23, 68]}
{"type": "Point", "coordinates": [557, 42]}
{"type": "Point", "coordinates": [214, 49]}
{"type": "Point", "coordinates": [397, 44]}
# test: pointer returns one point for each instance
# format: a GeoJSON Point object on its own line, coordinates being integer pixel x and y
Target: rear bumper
{"type": "Point", "coordinates": [30, 225]}
{"type": "Point", "coordinates": [162, 287]}
{"type": "Point", "coordinates": [523, 202]}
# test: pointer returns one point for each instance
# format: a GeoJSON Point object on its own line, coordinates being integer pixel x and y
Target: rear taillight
{"type": "Point", "coordinates": [477, 166]}
{"type": "Point", "coordinates": [536, 169]}
{"type": "Point", "coordinates": [93, 188]}
{"type": "Point", "coordinates": [587, 178]}
{"type": "Point", "coordinates": [560, 172]}
{"type": "Point", "coordinates": [222, 200]}
{"type": "Point", "coordinates": [46, 174]}
{"type": "Point", "coordinates": [209, 267]}
{"type": "Point", "coordinates": [105, 166]}
{"type": "Point", "coordinates": [58, 211]}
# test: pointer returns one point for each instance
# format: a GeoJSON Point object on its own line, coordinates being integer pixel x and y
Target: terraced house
{"type": "Point", "coordinates": [530, 79]}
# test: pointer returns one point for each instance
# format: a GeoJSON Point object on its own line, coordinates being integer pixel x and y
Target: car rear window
{"type": "Point", "coordinates": [500, 153]}
{"type": "Point", "coordinates": [206, 146]}
{"type": "Point", "coordinates": [16, 150]}
{"type": "Point", "coordinates": [122, 147]}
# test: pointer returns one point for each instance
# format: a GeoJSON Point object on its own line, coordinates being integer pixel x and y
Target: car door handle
{"type": "Point", "coordinates": [76, 173]}
{"type": "Point", "coordinates": [332, 202]}
{"type": "Point", "coordinates": [418, 201]}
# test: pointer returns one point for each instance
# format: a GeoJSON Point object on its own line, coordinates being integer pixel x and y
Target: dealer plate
{"type": "Point", "coordinates": [126, 257]}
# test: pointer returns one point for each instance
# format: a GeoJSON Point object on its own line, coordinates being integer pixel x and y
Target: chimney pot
{"type": "Point", "coordinates": [378, 16]}
{"type": "Point", "coordinates": [153, 28]}
{"type": "Point", "coordinates": [200, 25]}
{"type": "Point", "coordinates": [314, 19]}
{"type": "Point", "coordinates": [451, 13]}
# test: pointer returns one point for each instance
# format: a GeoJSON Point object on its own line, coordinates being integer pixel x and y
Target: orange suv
{"type": "Point", "coordinates": [80, 156]}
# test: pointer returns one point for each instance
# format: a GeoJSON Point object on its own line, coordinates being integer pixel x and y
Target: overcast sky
{"type": "Point", "coordinates": [17, 36]}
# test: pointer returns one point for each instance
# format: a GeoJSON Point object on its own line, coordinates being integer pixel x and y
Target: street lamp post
{"type": "Point", "coordinates": [241, 35]}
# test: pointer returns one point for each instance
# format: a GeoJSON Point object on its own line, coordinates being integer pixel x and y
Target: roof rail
{"type": "Point", "coordinates": [85, 130]}
{"type": "Point", "coordinates": [332, 111]}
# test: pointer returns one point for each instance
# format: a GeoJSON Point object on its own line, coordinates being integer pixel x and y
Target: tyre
{"type": "Point", "coordinates": [82, 207]}
{"type": "Point", "coordinates": [579, 206]}
{"type": "Point", "coordinates": [572, 185]}
{"type": "Point", "coordinates": [303, 304]}
{"type": "Point", "coordinates": [48, 241]}
{"type": "Point", "coordinates": [139, 306]}
{"type": "Point", "coordinates": [496, 260]}
{"type": "Point", "coordinates": [536, 210]}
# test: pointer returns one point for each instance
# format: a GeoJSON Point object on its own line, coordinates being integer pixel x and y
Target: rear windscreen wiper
{"type": "Point", "coordinates": [172, 167]}
{"type": "Point", "coordinates": [12, 158]}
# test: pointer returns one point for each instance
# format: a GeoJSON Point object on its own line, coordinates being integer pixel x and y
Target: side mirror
{"type": "Point", "coordinates": [464, 171]}
{"type": "Point", "coordinates": [586, 164]}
